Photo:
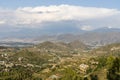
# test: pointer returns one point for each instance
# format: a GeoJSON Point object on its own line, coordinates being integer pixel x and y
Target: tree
{"type": "Point", "coordinates": [93, 77]}
{"type": "Point", "coordinates": [114, 69]}
{"type": "Point", "coordinates": [70, 74]}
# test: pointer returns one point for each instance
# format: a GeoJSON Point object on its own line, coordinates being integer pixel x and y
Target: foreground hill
{"type": "Point", "coordinates": [111, 49]}
{"type": "Point", "coordinates": [50, 45]}
{"type": "Point", "coordinates": [77, 45]}
{"type": "Point", "coordinates": [63, 46]}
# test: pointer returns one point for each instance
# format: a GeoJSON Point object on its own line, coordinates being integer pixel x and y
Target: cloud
{"type": "Point", "coordinates": [2, 22]}
{"type": "Point", "coordinates": [86, 27]}
{"type": "Point", "coordinates": [34, 16]}
{"type": "Point", "coordinates": [62, 12]}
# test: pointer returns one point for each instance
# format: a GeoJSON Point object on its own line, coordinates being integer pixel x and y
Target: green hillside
{"type": "Point", "coordinates": [60, 61]}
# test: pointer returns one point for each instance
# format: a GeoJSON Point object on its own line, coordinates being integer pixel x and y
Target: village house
{"type": "Point", "coordinates": [2, 62]}
{"type": "Point", "coordinates": [83, 68]}
{"type": "Point", "coordinates": [54, 77]}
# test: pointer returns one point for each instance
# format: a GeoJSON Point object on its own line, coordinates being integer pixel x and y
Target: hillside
{"type": "Point", "coordinates": [52, 46]}
{"type": "Point", "coordinates": [111, 49]}
{"type": "Point", "coordinates": [77, 45]}
{"type": "Point", "coordinates": [59, 59]}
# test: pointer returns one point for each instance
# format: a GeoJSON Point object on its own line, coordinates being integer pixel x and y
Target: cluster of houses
{"type": "Point", "coordinates": [57, 62]}
{"type": "Point", "coordinates": [6, 65]}
{"type": "Point", "coordinates": [115, 48]}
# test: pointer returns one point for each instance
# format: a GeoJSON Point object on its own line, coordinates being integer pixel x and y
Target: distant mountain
{"type": "Point", "coordinates": [15, 44]}
{"type": "Point", "coordinates": [38, 31]}
{"type": "Point", "coordinates": [97, 37]}
{"type": "Point", "coordinates": [107, 29]}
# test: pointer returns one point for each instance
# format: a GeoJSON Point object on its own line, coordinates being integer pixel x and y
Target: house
{"type": "Point", "coordinates": [115, 48]}
{"type": "Point", "coordinates": [83, 67]}
{"type": "Point", "coordinates": [2, 62]}
{"type": "Point", "coordinates": [54, 77]}
{"type": "Point", "coordinates": [9, 65]}
{"type": "Point", "coordinates": [30, 65]}
{"type": "Point", "coordinates": [47, 70]}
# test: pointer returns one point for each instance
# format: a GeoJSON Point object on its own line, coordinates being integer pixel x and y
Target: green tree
{"type": "Point", "coordinates": [70, 74]}
{"type": "Point", "coordinates": [94, 77]}
{"type": "Point", "coordinates": [114, 69]}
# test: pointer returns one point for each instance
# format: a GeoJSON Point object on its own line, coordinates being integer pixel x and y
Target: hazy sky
{"type": "Point", "coordinates": [45, 14]}
{"type": "Point", "coordinates": [34, 3]}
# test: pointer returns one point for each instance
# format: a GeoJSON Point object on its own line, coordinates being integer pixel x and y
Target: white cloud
{"type": "Point", "coordinates": [86, 28]}
{"type": "Point", "coordinates": [110, 27]}
{"type": "Point", "coordinates": [38, 15]}
{"type": "Point", "coordinates": [2, 22]}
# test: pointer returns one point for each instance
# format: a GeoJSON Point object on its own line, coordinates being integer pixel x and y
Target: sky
{"type": "Point", "coordinates": [16, 15]}
{"type": "Point", "coordinates": [33, 3]}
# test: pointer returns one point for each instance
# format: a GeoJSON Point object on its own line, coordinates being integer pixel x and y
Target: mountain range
{"type": "Point", "coordinates": [96, 37]}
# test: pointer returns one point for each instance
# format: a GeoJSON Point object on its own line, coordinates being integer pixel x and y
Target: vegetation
{"type": "Point", "coordinates": [60, 61]}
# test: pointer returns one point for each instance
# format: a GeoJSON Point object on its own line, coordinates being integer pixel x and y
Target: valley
{"type": "Point", "coordinates": [59, 61]}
